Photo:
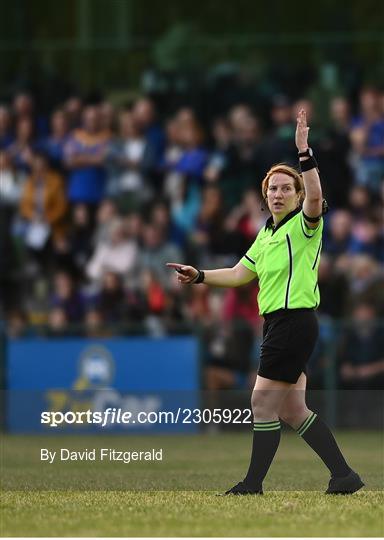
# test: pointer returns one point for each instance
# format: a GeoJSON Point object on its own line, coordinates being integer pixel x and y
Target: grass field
{"type": "Point", "coordinates": [176, 497]}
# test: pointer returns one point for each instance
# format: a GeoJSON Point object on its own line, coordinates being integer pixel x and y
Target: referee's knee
{"type": "Point", "coordinates": [262, 409]}
{"type": "Point", "coordinates": [294, 417]}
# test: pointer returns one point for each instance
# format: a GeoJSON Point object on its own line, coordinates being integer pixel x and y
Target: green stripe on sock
{"type": "Point", "coordinates": [267, 429]}
{"type": "Point", "coordinates": [308, 425]}
{"type": "Point", "coordinates": [305, 425]}
{"type": "Point", "coordinates": [274, 423]}
{"type": "Point", "coordinates": [266, 426]}
{"type": "Point", "coordinates": [305, 422]}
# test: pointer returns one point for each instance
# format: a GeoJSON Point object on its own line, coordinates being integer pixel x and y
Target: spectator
{"type": "Point", "coordinates": [118, 303]}
{"type": "Point", "coordinates": [359, 202]}
{"type": "Point", "coordinates": [85, 154]}
{"type": "Point", "coordinates": [11, 187]}
{"type": "Point", "coordinates": [11, 182]}
{"type": "Point", "coordinates": [187, 174]}
{"type": "Point", "coordinates": [340, 114]}
{"type": "Point", "coordinates": [55, 143]}
{"type": "Point", "coordinates": [22, 148]}
{"type": "Point", "coordinates": [58, 324]}
{"type": "Point", "coordinates": [144, 114]}
{"type": "Point", "coordinates": [280, 145]}
{"type": "Point", "coordinates": [245, 162]}
{"type": "Point", "coordinates": [133, 223]}
{"type": "Point", "coordinates": [156, 252]}
{"type": "Point", "coordinates": [238, 115]}
{"type": "Point", "coordinates": [117, 253]}
{"type": "Point", "coordinates": [194, 157]}
{"type": "Point", "coordinates": [172, 155]}
{"type": "Point", "coordinates": [107, 118]}
{"type": "Point", "coordinates": [368, 140]}
{"type": "Point", "coordinates": [66, 297]}
{"type": "Point", "coordinates": [230, 353]}
{"type": "Point", "coordinates": [241, 303]}
{"type": "Point", "coordinates": [132, 157]}
{"type": "Point", "coordinates": [154, 291]}
{"type": "Point", "coordinates": [111, 298]}
{"type": "Point", "coordinates": [248, 217]}
{"type": "Point", "coordinates": [209, 223]}
{"type": "Point", "coordinates": [363, 272]}
{"type": "Point", "coordinates": [197, 305]}
{"type": "Point", "coordinates": [338, 233]}
{"type": "Point", "coordinates": [222, 135]}
{"type": "Point", "coordinates": [73, 108]}
{"type": "Point", "coordinates": [17, 324]}
{"type": "Point", "coordinates": [24, 107]}
{"type": "Point", "coordinates": [95, 325]}
{"type": "Point", "coordinates": [185, 206]}
{"type": "Point", "coordinates": [135, 307]}
{"type": "Point", "coordinates": [43, 206]}
{"type": "Point", "coordinates": [6, 136]}
{"type": "Point", "coordinates": [174, 314]}
{"type": "Point", "coordinates": [334, 150]}
{"type": "Point", "coordinates": [334, 289]}
{"type": "Point", "coordinates": [186, 116]}
{"type": "Point", "coordinates": [156, 301]}
{"type": "Point", "coordinates": [367, 239]}
{"type": "Point", "coordinates": [160, 217]}
{"type": "Point", "coordinates": [106, 215]}
{"type": "Point", "coordinates": [77, 244]}
{"type": "Point", "coordinates": [362, 350]}
{"type": "Point", "coordinates": [210, 237]}
{"type": "Point", "coordinates": [317, 131]}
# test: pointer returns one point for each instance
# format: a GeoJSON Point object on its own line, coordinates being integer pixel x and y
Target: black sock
{"type": "Point", "coordinates": [266, 438]}
{"type": "Point", "coordinates": [320, 439]}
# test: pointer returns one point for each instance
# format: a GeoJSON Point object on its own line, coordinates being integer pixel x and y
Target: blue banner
{"type": "Point", "coordinates": [124, 374]}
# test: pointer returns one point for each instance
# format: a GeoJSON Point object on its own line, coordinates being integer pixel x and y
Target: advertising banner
{"type": "Point", "coordinates": [140, 377]}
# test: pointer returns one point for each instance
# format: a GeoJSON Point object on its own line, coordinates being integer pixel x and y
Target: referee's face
{"type": "Point", "coordinates": [282, 197]}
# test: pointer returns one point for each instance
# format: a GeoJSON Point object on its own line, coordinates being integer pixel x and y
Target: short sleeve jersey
{"type": "Point", "coordinates": [286, 260]}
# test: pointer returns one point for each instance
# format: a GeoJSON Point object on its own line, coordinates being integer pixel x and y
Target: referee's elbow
{"type": "Point", "coordinates": [314, 199]}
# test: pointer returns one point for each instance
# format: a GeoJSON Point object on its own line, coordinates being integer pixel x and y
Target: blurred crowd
{"type": "Point", "coordinates": [96, 198]}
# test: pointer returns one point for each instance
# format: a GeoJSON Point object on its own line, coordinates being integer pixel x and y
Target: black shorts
{"type": "Point", "coordinates": [289, 337]}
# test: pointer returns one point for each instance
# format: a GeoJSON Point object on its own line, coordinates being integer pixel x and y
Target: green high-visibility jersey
{"type": "Point", "coordinates": [286, 260]}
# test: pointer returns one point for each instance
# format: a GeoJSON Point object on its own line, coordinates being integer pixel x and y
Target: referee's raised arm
{"type": "Point", "coordinates": [312, 205]}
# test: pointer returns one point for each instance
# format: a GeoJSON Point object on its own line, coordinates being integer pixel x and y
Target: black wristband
{"type": "Point", "coordinates": [311, 219]}
{"type": "Point", "coordinates": [308, 164]}
{"type": "Point", "coordinates": [199, 278]}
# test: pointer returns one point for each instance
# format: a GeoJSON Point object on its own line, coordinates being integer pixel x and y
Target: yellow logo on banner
{"type": "Point", "coordinates": [96, 372]}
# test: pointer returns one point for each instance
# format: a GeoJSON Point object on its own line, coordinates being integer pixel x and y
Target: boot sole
{"type": "Point", "coordinates": [239, 494]}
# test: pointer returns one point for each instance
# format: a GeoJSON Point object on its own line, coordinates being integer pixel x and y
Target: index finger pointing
{"type": "Point", "coordinates": [174, 265]}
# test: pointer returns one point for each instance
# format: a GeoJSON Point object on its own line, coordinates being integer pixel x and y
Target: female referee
{"type": "Point", "coordinates": [285, 258]}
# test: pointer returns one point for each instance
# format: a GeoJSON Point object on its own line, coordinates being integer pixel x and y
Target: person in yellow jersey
{"type": "Point", "coordinates": [284, 258]}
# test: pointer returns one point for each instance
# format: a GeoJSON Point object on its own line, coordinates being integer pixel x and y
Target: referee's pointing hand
{"type": "Point", "coordinates": [185, 274]}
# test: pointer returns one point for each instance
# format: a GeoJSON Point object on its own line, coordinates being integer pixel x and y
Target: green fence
{"type": "Point", "coordinates": [109, 44]}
